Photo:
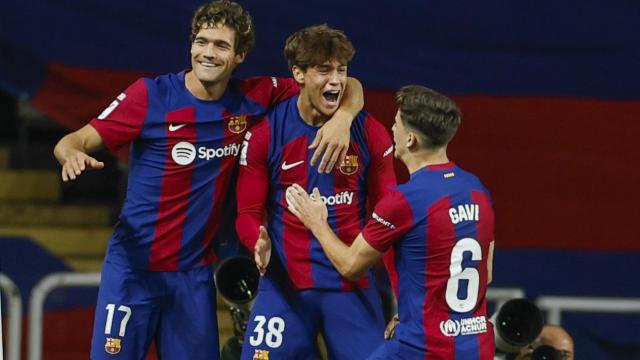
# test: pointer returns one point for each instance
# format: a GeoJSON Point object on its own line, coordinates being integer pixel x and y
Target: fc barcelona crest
{"type": "Point", "coordinates": [350, 165]}
{"type": "Point", "coordinates": [237, 123]}
{"type": "Point", "coordinates": [113, 346]}
{"type": "Point", "coordinates": [261, 355]}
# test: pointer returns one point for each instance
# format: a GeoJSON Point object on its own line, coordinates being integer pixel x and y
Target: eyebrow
{"type": "Point", "coordinates": [206, 39]}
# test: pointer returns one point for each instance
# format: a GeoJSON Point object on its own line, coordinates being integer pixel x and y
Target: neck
{"type": "Point", "coordinates": [309, 113]}
{"type": "Point", "coordinates": [415, 161]}
{"type": "Point", "coordinates": [205, 91]}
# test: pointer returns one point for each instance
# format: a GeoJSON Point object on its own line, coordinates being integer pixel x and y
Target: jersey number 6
{"type": "Point", "coordinates": [470, 274]}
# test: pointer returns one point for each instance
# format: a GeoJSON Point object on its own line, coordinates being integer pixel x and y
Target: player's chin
{"type": "Point", "coordinates": [328, 109]}
{"type": "Point", "coordinates": [208, 75]}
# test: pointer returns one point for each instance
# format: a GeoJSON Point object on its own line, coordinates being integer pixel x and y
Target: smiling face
{"type": "Point", "coordinates": [322, 86]}
{"type": "Point", "coordinates": [213, 56]}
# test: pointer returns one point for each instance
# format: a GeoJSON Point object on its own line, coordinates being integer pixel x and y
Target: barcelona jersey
{"type": "Point", "coordinates": [275, 155]}
{"type": "Point", "coordinates": [440, 224]}
{"type": "Point", "coordinates": [183, 158]}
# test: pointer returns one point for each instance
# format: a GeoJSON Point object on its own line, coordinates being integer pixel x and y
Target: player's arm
{"type": "Point", "coordinates": [490, 262]}
{"type": "Point", "coordinates": [380, 178]}
{"type": "Point", "coordinates": [73, 149]}
{"type": "Point", "coordinates": [332, 140]}
{"type": "Point", "coordinates": [390, 222]}
{"type": "Point", "coordinates": [115, 127]}
{"type": "Point", "coordinates": [252, 190]}
{"type": "Point", "coordinates": [350, 261]}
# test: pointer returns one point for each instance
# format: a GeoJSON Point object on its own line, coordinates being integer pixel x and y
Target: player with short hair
{"type": "Point", "coordinates": [441, 225]}
{"type": "Point", "coordinates": [301, 292]}
{"type": "Point", "coordinates": [185, 131]}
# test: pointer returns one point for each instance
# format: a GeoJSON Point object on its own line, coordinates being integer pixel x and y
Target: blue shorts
{"type": "Point", "coordinates": [176, 309]}
{"type": "Point", "coordinates": [285, 325]}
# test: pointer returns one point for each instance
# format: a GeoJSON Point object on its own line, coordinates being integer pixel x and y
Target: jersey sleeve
{"type": "Point", "coordinates": [391, 219]}
{"type": "Point", "coordinates": [381, 175]}
{"type": "Point", "coordinates": [121, 122]}
{"type": "Point", "coordinates": [253, 183]}
{"type": "Point", "coordinates": [269, 91]}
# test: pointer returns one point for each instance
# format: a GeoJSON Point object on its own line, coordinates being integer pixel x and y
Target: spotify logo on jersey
{"type": "Point", "coordinates": [183, 153]}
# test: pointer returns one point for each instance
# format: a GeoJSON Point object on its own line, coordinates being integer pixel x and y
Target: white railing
{"type": "Point", "coordinates": [552, 305]}
{"type": "Point", "coordinates": [38, 296]}
{"type": "Point", "coordinates": [555, 305]}
{"type": "Point", "coordinates": [502, 295]}
{"type": "Point", "coordinates": [14, 302]}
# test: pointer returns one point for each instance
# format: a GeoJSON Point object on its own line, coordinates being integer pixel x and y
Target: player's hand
{"type": "Point", "coordinates": [76, 162]}
{"type": "Point", "coordinates": [309, 209]}
{"type": "Point", "coordinates": [332, 142]}
{"type": "Point", "coordinates": [390, 330]}
{"type": "Point", "coordinates": [262, 251]}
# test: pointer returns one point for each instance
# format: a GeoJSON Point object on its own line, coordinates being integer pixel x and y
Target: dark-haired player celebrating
{"type": "Point", "coordinates": [302, 293]}
{"type": "Point", "coordinates": [185, 131]}
{"type": "Point", "coordinates": [441, 225]}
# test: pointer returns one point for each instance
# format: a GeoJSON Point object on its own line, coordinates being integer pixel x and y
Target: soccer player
{"type": "Point", "coordinates": [302, 293]}
{"type": "Point", "coordinates": [185, 131]}
{"type": "Point", "coordinates": [440, 224]}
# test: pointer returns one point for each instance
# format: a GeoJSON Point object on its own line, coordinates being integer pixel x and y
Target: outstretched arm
{"type": "Point", "coordinates": [73, 149]}
{"type": "Point", "coordinates": [350, 261]}
{"type": "Point", "coordinates": [332, 140]}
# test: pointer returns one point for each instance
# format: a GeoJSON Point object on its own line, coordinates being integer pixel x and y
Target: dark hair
{"type": "Point", "coordinates": [314, 45]}
{"type": "Point", "coordinates": [225, 12]}
{"type": "Point", "coordinates": [433, 115]}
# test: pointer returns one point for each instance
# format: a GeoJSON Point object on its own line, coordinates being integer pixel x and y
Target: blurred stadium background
{"type": "Point", "coordinates": [550, 93]}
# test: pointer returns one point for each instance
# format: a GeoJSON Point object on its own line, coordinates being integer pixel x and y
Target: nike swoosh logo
{"type": "Point", "coordinates": [176, 127]}
{"type": "Point", "coordinates": [286, 166]}
{"type": "Point", "coordinates": [388, 151]}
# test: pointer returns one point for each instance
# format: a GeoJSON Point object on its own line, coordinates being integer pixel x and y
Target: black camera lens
{"type": "Point", "coordinates": [519, 322]}
{"type": "Point", "coordinates": [237, 279]}
{"type": "Point", "coordinates": [546, 352]}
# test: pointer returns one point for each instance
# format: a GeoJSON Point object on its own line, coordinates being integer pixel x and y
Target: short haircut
{"type": "Point", "coordinates": [225, 12]}
{"type": "Point", "coordinates": [435, 116]}
{"type": "Point", "coordinates": [316, 45]}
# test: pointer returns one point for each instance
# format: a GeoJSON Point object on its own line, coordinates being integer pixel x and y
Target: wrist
{"type": "Point", "coordinates": [344, 116]}
{"type": "Point", "coordinates": [320, 229]}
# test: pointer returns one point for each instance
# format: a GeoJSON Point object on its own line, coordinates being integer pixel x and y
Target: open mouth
{"type": "Point", "coordinates": [331, 95]}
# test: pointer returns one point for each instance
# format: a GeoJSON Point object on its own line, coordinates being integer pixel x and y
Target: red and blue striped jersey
{"type": "Point", "coordinates": [182, 162]}
{"type": "Point", "coordinates": [275, 155]}
{"type": "Point", "coordinates": [440, 224]}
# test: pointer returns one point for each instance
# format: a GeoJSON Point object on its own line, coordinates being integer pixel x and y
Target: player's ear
{"type": "Point", "coordinates": [412, 140]}
{"type": "Point", "coordinates": [240, 58]}
{"type": "Point", "coordinates": [298, 74]}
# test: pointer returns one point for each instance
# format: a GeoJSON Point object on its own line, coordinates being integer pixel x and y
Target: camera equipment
{"type": "Point", "coordinates": [237, 281]}
{"type": "Point", "coordinates": [516, 324]}
{"type": "Point", "coordinates": [546, 352]}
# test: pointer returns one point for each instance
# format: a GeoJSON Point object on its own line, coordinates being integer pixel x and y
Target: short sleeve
{"type": "Point", "coordinates": [391, 220]}
{"type": "Point", "coordinates": [121, 122]}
